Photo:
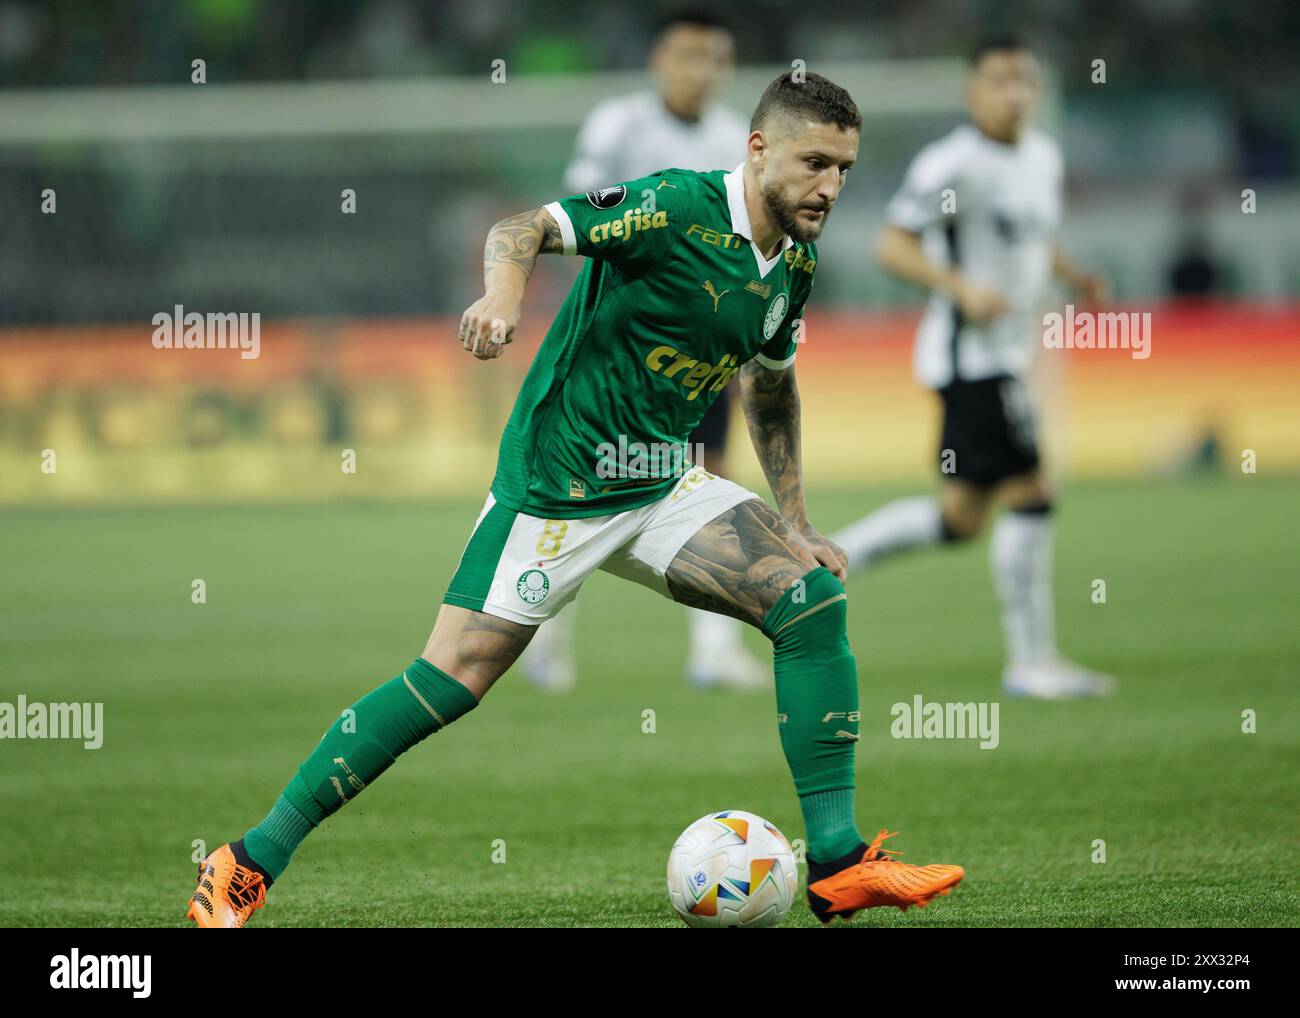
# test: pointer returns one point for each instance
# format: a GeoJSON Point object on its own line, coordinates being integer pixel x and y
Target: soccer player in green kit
{"type": "Point", "coordinates": [691, 279]}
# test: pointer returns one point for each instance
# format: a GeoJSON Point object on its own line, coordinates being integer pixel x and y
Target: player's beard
{"type": "Point", "coordinates": [784, 214]}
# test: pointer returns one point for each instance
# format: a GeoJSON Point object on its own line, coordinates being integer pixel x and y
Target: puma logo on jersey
{"type": "Point", "coordinates": [708, 285]}
{"type": "Point", "coordinates": [664, 183]}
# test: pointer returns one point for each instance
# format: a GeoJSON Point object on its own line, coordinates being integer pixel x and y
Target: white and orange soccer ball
{"type": "Point", "coordinates": [732, 869]}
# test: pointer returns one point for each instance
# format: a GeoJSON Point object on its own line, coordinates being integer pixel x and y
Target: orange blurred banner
{"type": "Point", "coordinates": [98, 413]}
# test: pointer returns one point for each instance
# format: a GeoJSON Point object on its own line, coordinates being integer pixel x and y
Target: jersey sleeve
{"type": "Point", "coordinates": [918, 204]}
{"type": "Point", "coordinates": [777, 353]}
{"type": "Point", "coordinates": [633, 224]}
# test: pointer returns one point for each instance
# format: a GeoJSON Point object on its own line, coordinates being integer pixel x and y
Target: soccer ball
{"type": "Point", "coordinates": [732, 869]}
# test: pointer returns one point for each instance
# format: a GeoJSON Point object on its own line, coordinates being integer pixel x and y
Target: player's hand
{"type": "Point", "coordinates": [826, 551]}
{"type": "Point", "coordinates": [489, 324]}
{"type": "Point", "coordinates": [980, 305]}
{"type": "Point", "coordinates": [1092, 291]}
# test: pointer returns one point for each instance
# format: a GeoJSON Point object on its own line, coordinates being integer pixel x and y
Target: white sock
{"type": "Point", "coordinates": [1020, 554]}
{"type": "Point", "coordinates": [713, 635]}
{"type": "Point", "coordinates": [897, 526]}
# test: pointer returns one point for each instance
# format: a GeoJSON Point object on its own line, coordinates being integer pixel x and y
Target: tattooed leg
{"type": "Point", "coordinates": [740, 564]}
{"type": "Point", "coordinates": [748, 563]}
{"type": "Point", "coordinates": [475, 648]}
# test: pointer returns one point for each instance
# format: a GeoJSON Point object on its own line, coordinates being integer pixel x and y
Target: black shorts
{"type": "Point", "coordinates": [989, 431]}
{"type": "Point", "coordinates": [712, 429]}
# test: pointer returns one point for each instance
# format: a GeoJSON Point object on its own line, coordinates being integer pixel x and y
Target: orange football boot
{"type": "Point", "coordinates": [879, 880]}
{"type": "Point", "coordinates": [228, 893]}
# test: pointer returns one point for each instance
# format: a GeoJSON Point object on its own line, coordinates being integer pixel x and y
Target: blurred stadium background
{"type": "Point", "coordinates": [226, 196]}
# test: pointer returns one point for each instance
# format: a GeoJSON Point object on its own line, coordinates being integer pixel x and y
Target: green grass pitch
{"type": "Point", "coordinates": [209, 708]}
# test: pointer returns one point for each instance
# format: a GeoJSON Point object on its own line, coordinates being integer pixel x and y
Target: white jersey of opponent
{"type": "Point", "coordinates": [1003, 207]}
{"type": "Point", "coordinates": [633, 135]}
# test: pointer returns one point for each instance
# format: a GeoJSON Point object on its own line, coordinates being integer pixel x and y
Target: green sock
{"type": "Point", "coordinates": [362, 744]}
{"type": "Point", "coordinates": [817, 707]}
{"type": "Point", "coordinates": [830, 816]}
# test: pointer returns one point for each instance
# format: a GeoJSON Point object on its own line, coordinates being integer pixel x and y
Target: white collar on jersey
{"type": "Point", "coordinates": [735, 181]}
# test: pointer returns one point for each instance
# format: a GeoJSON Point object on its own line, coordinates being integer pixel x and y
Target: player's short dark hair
{"type": "Point", "coordinates": [1001, 42]}
{"type": "Point", "coordinates": [697, 17]}
{"type": "Point", "coordinates": [815, 98]}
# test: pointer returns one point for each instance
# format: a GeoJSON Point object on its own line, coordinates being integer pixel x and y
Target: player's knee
{"type": "Point", "coordinates": [960, 527]}
{"type": "Point", "coordinates": [816, 600]}
{"type": "Point", "coordinates": [963, 511]}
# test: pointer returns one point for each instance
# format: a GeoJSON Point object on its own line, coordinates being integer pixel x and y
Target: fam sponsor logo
{"type": "Point", "coordinates": [935, 720]}
{"type": "Point", "coordinates": [646, 460]}
{"type": "Point", "coordinates": [795, 258]}
{"type": "Point", "coordinates": [79, 721]}
{"type": "Point", "coordinates": [75, 971]}
{"type": "Point", "coordinates": [1110, 330]}
{"type": "Point", "coordinates": [848, 717]}
{"type": "Point", "coordinates": [710, 235]}
{"type": "Point", "coordinates": [190, 330]}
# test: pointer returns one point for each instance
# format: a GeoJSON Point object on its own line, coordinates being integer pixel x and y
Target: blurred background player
{"type": "Point", "coordinates": [675, 124]}
{"type": "Point", "coordinates": [975, 222]}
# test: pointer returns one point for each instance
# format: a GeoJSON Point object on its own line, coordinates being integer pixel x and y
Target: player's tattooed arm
{"type": "Point", "coordinates": [517, 241]}
{"type": "Point", "coordinates": [771, 402]}
{"type": "Point", "coordinates": [509, 257]}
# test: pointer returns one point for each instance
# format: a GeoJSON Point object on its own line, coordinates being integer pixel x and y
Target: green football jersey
{"type": "Point", "coordinates": [673, 299]}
